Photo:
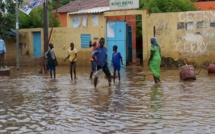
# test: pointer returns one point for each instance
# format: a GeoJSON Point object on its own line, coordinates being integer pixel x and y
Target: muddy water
{"type": "Point", "coordinates": [33, 103]}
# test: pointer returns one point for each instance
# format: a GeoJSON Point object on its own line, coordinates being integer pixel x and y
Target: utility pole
{"type": "Point", "coordinates": [45, 34]}
{"type": "Point", "coordinates": [45, 25]}
{"type": "Point", "coordinates": [17, 37]}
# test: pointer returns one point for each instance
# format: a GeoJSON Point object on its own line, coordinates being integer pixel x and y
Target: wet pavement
{"type": "Point", "coordinates": [33, 103]}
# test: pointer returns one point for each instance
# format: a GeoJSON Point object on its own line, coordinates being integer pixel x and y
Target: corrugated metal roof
{"type": "Point", "coordinates": [77, 5]}
{"type": "Point", "coordinates": [92, 10]}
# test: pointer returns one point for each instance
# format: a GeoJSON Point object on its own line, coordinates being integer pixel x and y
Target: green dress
{"type": "Point", "coordinates": [156, 61]}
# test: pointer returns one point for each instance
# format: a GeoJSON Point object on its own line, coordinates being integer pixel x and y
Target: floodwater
{"type": "Point", "coordinates": [33, 103]}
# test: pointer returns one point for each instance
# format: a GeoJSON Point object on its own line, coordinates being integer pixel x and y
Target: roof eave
{"type": "Point", "coordinates": [92, 10]}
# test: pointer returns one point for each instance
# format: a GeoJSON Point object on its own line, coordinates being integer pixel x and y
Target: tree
{"type": "Point", "coordinates": [7, 17]}
{"type": "Point", "coordinates": [162, 6]}
{"type": "Point", "coordinates": [35, 18]}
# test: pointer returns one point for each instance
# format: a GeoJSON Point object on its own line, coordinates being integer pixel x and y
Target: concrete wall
{"type": "Point", "coordinates": [61, 37]}
{"type": "Point", "coordinates": [73, 35]}
{"type": "Point", "coordinates": [181, 35]}
{"type": "Point", "coordinates": [25, 47]}
{"type": "Point", "coordinates": [10, 56]}
{"type": "Point", "coordinates": [185, 35]}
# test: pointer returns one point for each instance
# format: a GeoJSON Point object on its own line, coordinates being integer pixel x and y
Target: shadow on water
{"type": "Point", "coordinates": [33, 103]}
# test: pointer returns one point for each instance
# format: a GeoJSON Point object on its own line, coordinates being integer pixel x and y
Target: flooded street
{"type": "Point", "coordinates": [33, 103]}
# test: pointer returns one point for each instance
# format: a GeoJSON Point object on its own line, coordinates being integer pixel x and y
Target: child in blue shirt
{"type": "Point", "coordinates": [100, 56]}
{"type": "Point", "coordinates": [116, 58]}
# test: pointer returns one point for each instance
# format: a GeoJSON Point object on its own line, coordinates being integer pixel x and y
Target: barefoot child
{"type": "Point", "coordinates": [52, 61]}
{"type": "Point", "coordinates": [116, 58]}
{"type": "Point", "coordinates": [100, 56]}
{"type": "Point", "coordinates": [72, 55]}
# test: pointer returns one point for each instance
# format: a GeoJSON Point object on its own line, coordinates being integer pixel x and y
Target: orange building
{"type": "Point", "coordinates": [205, 5]}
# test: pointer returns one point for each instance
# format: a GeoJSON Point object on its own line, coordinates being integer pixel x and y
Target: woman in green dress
{"type": "Point", "coordinates": [155, 59]}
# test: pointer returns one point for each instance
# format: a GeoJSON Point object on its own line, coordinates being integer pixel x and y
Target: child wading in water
{"type": "Point", "coordinates": [93, 62]}
{"type": "Point", "coordinates": [72, 55]}
{"type": "Point", "coordinates": [52, 61]}
{"type": "Point", "coordinates": [116, 58]}
{"type": "Point", "coordinates": [100, 56]}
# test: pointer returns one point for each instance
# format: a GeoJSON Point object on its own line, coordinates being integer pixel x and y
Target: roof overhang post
{"type": "Point", "coordinates": [145, 38]}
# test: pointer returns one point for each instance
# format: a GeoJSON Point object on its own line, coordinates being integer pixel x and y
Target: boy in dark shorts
{"type": "Point", "coordinates": [100, 56]}
{"type": "Point", "coordinates": [52, 61]}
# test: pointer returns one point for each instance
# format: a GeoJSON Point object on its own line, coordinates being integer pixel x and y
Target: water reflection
{"type": "Point", "coordinates": [156, 95]}
{"type": "Point", "coordinates": [33, 103]}
{"type": "Point", "coordinates": [117, 101]}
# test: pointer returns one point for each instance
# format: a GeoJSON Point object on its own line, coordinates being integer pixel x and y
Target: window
{"type": "Point", "coordinates": [85, 39]}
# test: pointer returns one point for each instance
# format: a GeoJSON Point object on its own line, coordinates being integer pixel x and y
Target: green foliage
{"type": "Point", "coordinates": [139, 27]}
{"type": "Point", "coordinates": [162, 6]}
{"type": "Point", "coordinates": [7, 17]}
{"type": "Point", "coordinates": [35, 18]}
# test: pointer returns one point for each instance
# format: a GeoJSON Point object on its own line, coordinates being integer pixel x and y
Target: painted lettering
{"type": "Point", "coordinates": [208, 34]}
{"type": "Point", "coordinates": [196, 16]}
{"type": "Point", "coordinates": [122, 3]}
{"type": "Point", "coordinates": [189, 16]}
{"type": "Point", "coordinates": [192, 42]}
{"type": "Point", "coordinates": [181, 17]}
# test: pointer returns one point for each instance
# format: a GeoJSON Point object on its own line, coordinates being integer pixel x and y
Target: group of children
{"type": "Point", "coordinates": [98, 61]}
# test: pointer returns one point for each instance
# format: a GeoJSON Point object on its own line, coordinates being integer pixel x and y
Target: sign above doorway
{"type": "Point", "coordinates": [123, 4]}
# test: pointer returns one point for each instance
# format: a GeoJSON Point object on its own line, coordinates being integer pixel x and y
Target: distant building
{"type": "Point", "coordinates": [71, 15]}
{"type": "Point", "coordinates": [205, 4]}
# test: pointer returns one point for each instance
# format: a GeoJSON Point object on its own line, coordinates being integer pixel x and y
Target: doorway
{"type": "Point", "coordinates": [37, 44]}
{"type": "Point", "coordinates": [129, 44]}
{"type": "Point", "coordinates": [116, 35]}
